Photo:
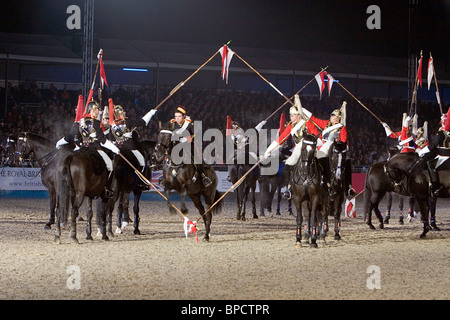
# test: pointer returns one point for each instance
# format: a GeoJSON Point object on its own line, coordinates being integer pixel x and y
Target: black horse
{"type": "Point", "coordinates": [239, 164]}
{"type": "Point", "coordinates": [271, 184]}
{"type": "Point", "coordinates": [47, 158]}
{"type": "Point", "coordinates": [184, 179]}
{"type": "Point", "coordinates": [336, 195]}
{"type": "Point", "coordinates": [406, 177]}
{"type": "Point", "coordinates": [126, 181]}
{"type": "Point", "coordinates": [309, 195]}
{"type": "Point", "coordinates": [81, 174]}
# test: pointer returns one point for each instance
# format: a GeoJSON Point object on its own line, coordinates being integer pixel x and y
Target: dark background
{"type": "Point", "coordinates": [337, 26]}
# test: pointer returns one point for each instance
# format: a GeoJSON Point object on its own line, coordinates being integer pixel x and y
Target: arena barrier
{"type": "Point", "coordinates": [28, 180]}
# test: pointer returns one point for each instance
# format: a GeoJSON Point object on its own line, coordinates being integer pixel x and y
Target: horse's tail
{"type": "Point", "coordinates": [218, 207]}
{"type": "Point", "coordinates": [64, 185]}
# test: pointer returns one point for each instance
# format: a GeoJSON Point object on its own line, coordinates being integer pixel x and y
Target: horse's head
{"type": "Point", "coordinates": [392, 151]}
{"type": "Point", "coordinates": [163, 144]}
{"type": "Point", "coordinates": [308, 146]}
{"type": "Point", "coordinates": [338, 155]}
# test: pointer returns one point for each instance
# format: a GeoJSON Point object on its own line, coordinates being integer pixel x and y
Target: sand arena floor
{"type": "Point", "coordinates": [251, 260]}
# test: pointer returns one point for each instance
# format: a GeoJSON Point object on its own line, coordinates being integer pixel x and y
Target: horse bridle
{"type": "Point", "coordinates": [306, 163]}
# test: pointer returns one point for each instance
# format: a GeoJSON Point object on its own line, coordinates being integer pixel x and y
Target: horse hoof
{"type": "Point", "coordinates": [105, 238]}
{"type": "Point", "coordinates": [57, 240]}
{"type": "Point", "coordinates": [205, 239]}
{"type": "Point", "coordinates": [118, 230]}
{"type": "Point", "coordinates": [137, 232]}
{"type": "Point", "coordinates": [80, 218]}
{"type": "Point", "coordinates": [74, 240]}
{"type": "Point", "coordinates": [337, 237]}
{"type": "Point", "coordinates": [381, 226]}
{"type": "Point", "coordinates": [434, 227]}
{"type": "Point", "coordinates": [313, 245]}
{"type": "Point", "coordinates": [255, 216]}
{"type": "Point", "coordinates": [89, 237]}
{"type": "Point", "coordinates": [386, 221]}
{"type": "Point", "coordinates": [321, 242]}
{"type": "Point", "coordinates": [262, 214]}
{"type": "Point", "coordinates": [298, 244]}
{"type": "Point", "coordinates": [371, 226]}
{"type": "Point", "coordinates": [47, 227]}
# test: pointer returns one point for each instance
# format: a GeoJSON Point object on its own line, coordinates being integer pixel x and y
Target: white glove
{"type": "Point", "coordinates": [387, 129]}
{"type": "Point", "coordinates": [109, 145]}
{"type": "Point", "coordinates": [271, 148]}
{"type": "Point", "coordinates": [423, 151]}
{"type": "Point", "coordinates": [260, 125]}
{"type": "Point", "coordinates": [306, 113]}
{"type": "Point", "coordinates": [297, 101]}
{"type": "Point", "coordinates": [148, 116]}
{"type": "Point", "coordinates": [297, 127]}
{"type": "Point", "coordinates": [406, 122]}
{"type": "Point", "coordinates": [61, 142]}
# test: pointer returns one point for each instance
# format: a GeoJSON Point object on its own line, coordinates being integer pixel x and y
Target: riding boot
{"type": "Point", "coordinates": [287, 194]}
{"type": "Point", "coordinates": [350, 192]}
{"type": "Point", "coordinates": [436, 187]}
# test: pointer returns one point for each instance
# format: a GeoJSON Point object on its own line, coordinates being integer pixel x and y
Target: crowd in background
{"type": "Point", "coordinates": [51, 111]}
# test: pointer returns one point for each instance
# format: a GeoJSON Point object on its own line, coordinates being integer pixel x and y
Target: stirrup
{"type": "Point", "coordinates": [287, 194]}
{"type": "Point", "coordinates": [206, 181]}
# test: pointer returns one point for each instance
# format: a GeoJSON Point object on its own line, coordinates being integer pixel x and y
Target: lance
{"type": "Point", "coordinates": [277, 90]}
{"type": "Point", "coordinates": [298, 92]}
{"type": "Point", "coordinates": [357, 100]}
{"type": "Point", "coordinates": [182, 83]}
{"type": "Point", "coordinates": [437, 88]}
{"type": "Point", "coordinates": [91, 91]}
{"type": "Point", "coordinates": [146, 181]}
{"type": "Point", "coordinates": [413, 99]}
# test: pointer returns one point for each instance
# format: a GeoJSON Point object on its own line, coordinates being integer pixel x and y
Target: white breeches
{"type": "Point", "coordinates": [108, 161]}
{"type": "Point", "coordinates": [323, 151]}
{"type": "Point", "coordinates": [295, 156]}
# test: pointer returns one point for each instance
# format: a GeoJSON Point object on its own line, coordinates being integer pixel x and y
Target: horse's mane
{"type": "Point", "coordinates": [36, 137]}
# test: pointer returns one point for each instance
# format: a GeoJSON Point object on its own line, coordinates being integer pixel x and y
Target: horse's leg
{"type": "Point", "coordinates": [244, 202]}
{"type": "Point", "coordinates": [306, 213]}
{"type": "Point", "coordinates": [423, 204]}
{"type": "Point", "coordinates": [432, 206]}
{"type": "Point", "coordinates": [206, 217]}
{"type": "Point", "coordinates": [137, 198]}
{"type": "Point", "coordinates": [278, 200]}
{"type": "Point", "coordinates": [411, 201]}
{"type": "Point", "coordinates": [118, 195]}
{"type": "Point", "coordinates": [314, 218]}
{"type": "Point", "coordinates": [388, 209]}
{"type": "Point", "coordinates": [183, 209]}
{"type": "Point", "coordinates": [52, 200]}
{"type": "Point", "coordinates": [400, 207]}
{"type": "Point", "coordinates": [299, 220]}
{"type": "Point", "coordinates": [78, 201]}
{"type": "Point", "coordinates": [89, 220]}
{"type": "Point", "coordinates": [255, 216]}
{"type": "Point", "coordinates": [337, 217]}
{"type": "Point", "coordinates": [171, 209]}
{"type": "Point", "coordinates": [377, 210]}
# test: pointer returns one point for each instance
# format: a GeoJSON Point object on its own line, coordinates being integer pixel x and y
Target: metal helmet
{"type": "Point", "coordinates": [119, 114]}
{"type": "Point", "coordinates": [92, 105]}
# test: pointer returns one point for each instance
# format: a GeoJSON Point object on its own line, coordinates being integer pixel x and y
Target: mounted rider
{"type": "Point", "coordinates": [295, 129]}
{"type": "Point", "coordinates": [89, 134]}
{"type": "Point", "coordinates": [439, 152]}
{"type": "Point", "coordinates": [183, 132]}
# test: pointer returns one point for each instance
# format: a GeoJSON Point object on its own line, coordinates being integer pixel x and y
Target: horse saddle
{"type": "Point", "coordinates": [99, 165]}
